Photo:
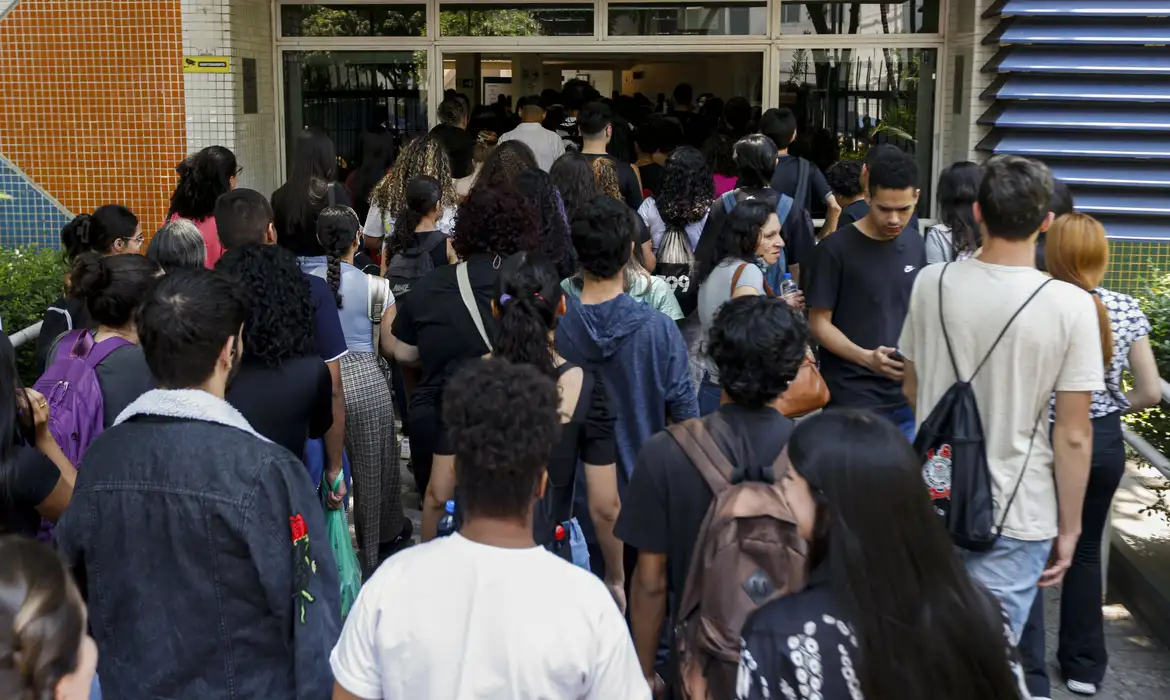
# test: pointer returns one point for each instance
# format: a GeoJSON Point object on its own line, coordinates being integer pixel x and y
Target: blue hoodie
{"type": "Point", "coordinates": [642, 358]}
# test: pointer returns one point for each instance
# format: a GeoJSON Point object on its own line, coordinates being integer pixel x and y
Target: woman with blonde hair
{"type": "Point", "coordinates": [1077, 252]}
{"type": "Point", "coordinates": [424, 155]}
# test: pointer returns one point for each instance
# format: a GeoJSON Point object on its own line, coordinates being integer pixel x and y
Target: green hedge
{"type": "Point", "coordinates": [30, 280]}
{"type": "Point", "coordinates": [1154, 424]}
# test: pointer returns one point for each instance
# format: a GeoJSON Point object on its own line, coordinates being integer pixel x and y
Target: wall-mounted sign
{"type": "Point", "coordinates": [207, 64]}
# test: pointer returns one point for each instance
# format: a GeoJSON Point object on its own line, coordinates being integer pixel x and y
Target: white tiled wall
{"type": "Point", "coordinates": [215, 102]}
{"type": "Point", "coordinates": [965, 32]}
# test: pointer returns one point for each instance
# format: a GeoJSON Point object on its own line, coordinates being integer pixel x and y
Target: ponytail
{"type": "Point", "coordinates": [527, 302]}
{"type": "Point", "coordinates": [1077, 252]}
{"type": "Point", "coordinates": [337, 229]}
{"type": "Point", "coordinates": [98, 231]}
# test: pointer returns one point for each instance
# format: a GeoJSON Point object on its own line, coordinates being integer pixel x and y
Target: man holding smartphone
{"type": "Point", "coordinates": [859, 293]}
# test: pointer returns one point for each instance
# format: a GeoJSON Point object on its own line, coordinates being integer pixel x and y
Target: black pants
{"type": "Point", "coordinates": [428, 437]}
{"type": "Point", "coordinates": [1081, 654]}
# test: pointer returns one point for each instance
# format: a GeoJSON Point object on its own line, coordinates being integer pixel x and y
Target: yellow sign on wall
{"type": "Point", "coordinates": [207, 64]}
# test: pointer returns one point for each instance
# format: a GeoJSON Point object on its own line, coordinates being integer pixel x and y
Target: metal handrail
{"type": "Point", "coordinates": [26, 334]}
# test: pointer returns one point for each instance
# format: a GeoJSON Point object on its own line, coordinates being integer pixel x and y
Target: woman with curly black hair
{"type": "Point", "coordinates": [370, 439]}
{"type": "Point", "coordinates": [425, 155]}
{"type": "Point", "coordinates": [683, 200]}
{"type": "Point", "coordinates": [446, 319]}
{"type": "Point", "coordinates": [203, 177]}
{"type": "Point", "coordinates": [554, 228]}
{"type": "Point", "coordinates": [282, 388]}
{"type": "Point", "coordinates": [505, 163]}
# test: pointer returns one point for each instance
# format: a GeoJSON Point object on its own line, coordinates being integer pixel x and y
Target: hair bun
{"type": "Point", "coordinates": [90, 276]}
{"type": "Point", "coordinates": [487, 138]}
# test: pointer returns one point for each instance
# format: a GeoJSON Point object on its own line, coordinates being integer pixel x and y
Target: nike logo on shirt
{"type": "Point", "coordinates": [909, 268]}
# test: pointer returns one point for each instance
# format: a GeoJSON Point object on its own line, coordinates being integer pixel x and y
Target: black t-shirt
{"type": "Point", "coordinates": [460, 147]}
{"type": "Point", "coordinates": [289, 404]}
{"type": "Point", "coordinates": [858, 210]}
{"type": "Point", "coordinates": [651, 177]}
{"type": "Point", "coordinates": [667, 498]}
{"type": "Point", "coordinates": [326, 320]}
{"type": "Point", "coordinates": [799, 244]}
{"type": "Point", "coordinates": [627, 180]}
{"type": "Point", "coordinates": [434, 319]}
{"type": "Point", "coordinates": [866, 284]}
{"type": "Point", "coordinates": [301, 238]}
{"type": "Point", "coordinates": [785, 179]}
{"type": "Point", "coordinates": [32, 478]}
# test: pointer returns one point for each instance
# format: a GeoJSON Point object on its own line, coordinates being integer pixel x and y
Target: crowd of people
{"type": "Point", "coordinates": [607, 342]}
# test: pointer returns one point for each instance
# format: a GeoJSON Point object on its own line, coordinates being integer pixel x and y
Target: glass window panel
{"type": "Point", "coordinates": [868, 17]}
{"type": "Point", "coordinates": [689, 19]}
{"type": "Point", "coordinates": [847, 100]}
{"type": "Point", "coordinates": [346, 92]}
{"type": "Point", "coordinates": [353, 20]}
{"type": "Point", "coordinates": [515, 20]}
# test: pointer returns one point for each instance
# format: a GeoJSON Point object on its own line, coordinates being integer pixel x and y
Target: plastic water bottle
{"type": "Point", "coordinates": [447, 522]}
{"type": "Point", "coordinates": [788, 285]}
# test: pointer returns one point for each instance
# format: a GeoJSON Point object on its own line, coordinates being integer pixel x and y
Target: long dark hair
{"type": "Point", "coordinates": [958, 189]}
{"type": "Point", "coordinates": [203, 177]}
{"type": "Point", "coordinates": [337, 229]}
{"type": "Point", "coordinates": [98, 231]}
{"type": "Point", "coordinates": [280, 324]}
{"type": "Point", "coordinates": [15, 423]}
{"type": "Point", "coordinates": [378, 152]}
{"type": "Point", "coordinates": [718, 152]}
{"type": "Point", "coordinates": [737, 238]}
{"type": "Point", "coordinates": [687, 188]}
{"type": "Point", "coordinates": [554, 230]}
{"type": "Point", "coordinates": [528, 295]}
{"type": "Point", "coordinates": [422, 195]}
{"type": "Point", "coordinates": [893, 568]}
{"type": "Point", "coordinates": [508, 160]}
{"type": "Point", "coordinates": [573, 176]}
{"type": "Point", "coordinates": [314, 168]}
{"type": "Point", "coordinates": [112, 286]}
{"type": "Point", "coordinates": [43, 618]}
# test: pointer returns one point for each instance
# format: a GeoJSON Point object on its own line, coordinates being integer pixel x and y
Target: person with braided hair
{"type": "Point", "coordinates": [111, 229]}
{"type": "Point", "coordinates": [45, 651]}
{"type": "Point", "coordinates": [367, 311]}
{"type": "Point", "coordinates": [425, 155]}
{"type": "Point", "coordinates": [203, 177]}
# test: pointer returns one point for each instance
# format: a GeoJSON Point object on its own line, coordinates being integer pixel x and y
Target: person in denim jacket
{"type": "Point", "coordinates": [200, 544]}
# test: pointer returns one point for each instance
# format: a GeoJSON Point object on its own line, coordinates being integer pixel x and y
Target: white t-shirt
{"type": "Point", "coordinates": [1054, 345]}
{"type": "Point", "coordinates": [381, 226]}
{"type": "Point", "coordinates": [456, 620]}
{"type": "Point", "coordinates": [546, 145]}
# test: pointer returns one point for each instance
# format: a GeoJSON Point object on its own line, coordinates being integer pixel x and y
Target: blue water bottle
{"type": "Point", "coordinates": [447, 522]}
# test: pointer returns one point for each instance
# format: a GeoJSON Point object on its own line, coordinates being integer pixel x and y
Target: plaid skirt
{"type": "Point", "coordinates": [372, 446]}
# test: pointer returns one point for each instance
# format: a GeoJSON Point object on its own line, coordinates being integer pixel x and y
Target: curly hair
{"type": "Point", "coordinates": [280, 324]}
{"type": "Point", "coordinates": [503, 422]}
{"type": "Point", "coordinates": [528, 295]}
{"type": "Point", "coordinates": [504, 163]}
{"type": "Point", "coordinates": [554, 229]}
{"type": "Point", "coordinates": [337, 229]}
{"type": "Point", "coordinates": [844, 177]}
{"type": "Point", "coordinates": [573, 176]}
{"type": "Point", "coordinates": [424, 155]}
{"type": "Point", "coordinates": [43, 618]}
{"type": "Point", "coordinates": [687, 188]}
{"type": "Point", "coordinates": [758, 344]}
{"type": "Point", "coordinates": [203, 177]}
{"type": "Point", "coordinates": [497, 220]}
{"type": "Point", "coordinates": [737, 238]}
{"type": "Point", "coordinates": [605, 172]}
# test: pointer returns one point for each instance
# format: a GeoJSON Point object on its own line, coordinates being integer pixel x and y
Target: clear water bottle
{"type": "Point", "coordinates": [788, 285]}
{"type": "Point", "coordinates": [447, 522]}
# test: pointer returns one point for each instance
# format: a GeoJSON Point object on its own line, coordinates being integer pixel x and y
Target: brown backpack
{"type": "Point", "coordinates": [747, 553]}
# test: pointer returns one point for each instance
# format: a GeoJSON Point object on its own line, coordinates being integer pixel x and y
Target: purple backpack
{"type": "Point", "coordinates": [70, 385]}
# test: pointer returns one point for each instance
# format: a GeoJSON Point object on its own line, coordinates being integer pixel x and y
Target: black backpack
{"type": "Point", "coordinates": [409, 266]}
{"type": "Point", "coordinates": [953, 451]}
{"type": "Point", "coordinates": [556, 506]}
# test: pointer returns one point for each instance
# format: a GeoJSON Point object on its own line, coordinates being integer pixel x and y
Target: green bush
{"type": "Point", "coordinates": [30, 280]}
{"type": "Point", "coordinates": [1154, 424]}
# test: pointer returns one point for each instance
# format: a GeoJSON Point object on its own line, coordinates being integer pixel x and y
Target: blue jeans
{"type": "Point", "coordinates": [903, 417]}
{"type": "Point", "coordinates": [710, 396]}
{"type": "Point", "coordinates": [1011, 571]}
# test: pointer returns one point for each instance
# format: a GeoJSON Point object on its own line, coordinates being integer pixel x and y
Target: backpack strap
{"type": "Point", "coordinates": [728, 201]}
{"type": "Point", "coordinates": [735, 278]}
{"type": "Point", "coordinates": [698, 445]}
{"type": "Point", "coordinates": [96, 353]}
{"type": "Point", "coordinates": [379, 295]}
{"type": "Point", "coordinates": [1002, 333]}
{"type": "Point", "coordinates": [464, 280]}
{"type": "Point", "coordinates": [784, 207]}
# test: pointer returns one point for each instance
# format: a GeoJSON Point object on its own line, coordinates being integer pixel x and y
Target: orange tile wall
{"type": "Point", "coordinates": [91, 100]}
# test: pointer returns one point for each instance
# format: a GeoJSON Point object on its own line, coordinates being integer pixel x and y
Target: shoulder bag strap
{"type": "Point", "coordinates": [784, 208]}
{"type": "Point", "coordinates": [331, 194]}
{"type": "Point", "coordinates": [464, 279]}
{"type": "Point", "coordinates": [728, 201]}
{"type": "Point", "coordinates": [735, 278]}
{"type": "Point", "coordinates": [378, 294]}
{"type": "Point", "coordinates": [698, 445]}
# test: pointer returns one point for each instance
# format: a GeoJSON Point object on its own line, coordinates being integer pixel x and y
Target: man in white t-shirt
{"type": "Point", "coordinates": [485, 613]}
{"type": "Point", "coordinates": [546, 145]}
{"type": "Point", "coordinates": [1053, 345]}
